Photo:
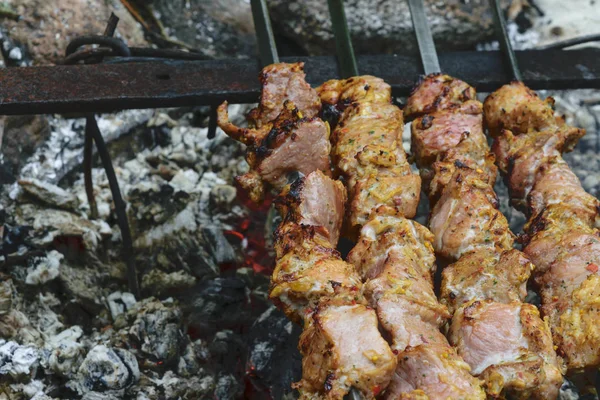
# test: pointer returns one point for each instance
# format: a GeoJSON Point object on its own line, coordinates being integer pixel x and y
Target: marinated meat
{"type": "Point", "coordinates": [561, 236]}
{"type": "Point", "coordinates": [367, 149]}
{"type": "Point", "coordinates": [504, 341]}
{"type": "Point", "coordinates": [285, 136]}
{"type": "Point", "coordinates": [341, 344]}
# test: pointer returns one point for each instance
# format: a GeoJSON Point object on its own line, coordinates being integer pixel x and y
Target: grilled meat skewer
{"type": "Point", "coordinates": [367, 149]}
{"type": "Point", "coordinates": [393, 255]}
{"type": "Point", "coordinates": [340, 344]}
{"type": "Point", "coordinates": [286, 136]}
{"type": "Point", "coordinates": [561, 236]}
{"type": "Point", "coordinates": [504, 340]}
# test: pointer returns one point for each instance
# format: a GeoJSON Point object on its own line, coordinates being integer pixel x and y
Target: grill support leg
{"type": "Point", "coordinates": [92, 129]}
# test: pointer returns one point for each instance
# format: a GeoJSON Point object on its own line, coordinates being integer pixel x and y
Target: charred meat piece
{"type": "Point", "coordinates": [504, 341]}
{"type": "Point", "coordinates": [561, 236]}
{"type": "Point", "coordinates": [280, 83]}
{"type": "Point", "coordinates": [367, 149]}
{"type": "Point", "coordinates": [341, 344]}
{"type": "Point", "coordinates": [437, 92]}
{"type": "Point", "coordinates": [285, 136]}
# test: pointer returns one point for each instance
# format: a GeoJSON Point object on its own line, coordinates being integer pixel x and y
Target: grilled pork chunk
{"type": "Point", "coordinates": [341, 344]}
{"type": "Point", "coordinates": [395, 257]}
{"type": "Point", "coordinates": [286, 136]}
{"type": "Point", "coordinates": [561, 236]}
{"type": "Point", "coordinates": [504, 341]}
{"type": "Point", "coordinates": [367, 149]}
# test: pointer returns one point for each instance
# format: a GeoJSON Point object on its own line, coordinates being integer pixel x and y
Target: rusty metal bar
{"type": "Point", "coordinates": [111, 87]}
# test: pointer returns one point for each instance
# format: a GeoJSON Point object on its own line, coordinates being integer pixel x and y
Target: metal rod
{"type": "Point", "coordinates": [343, 42]}
{"type": "Point", "coordinates": [212, 122]}
{"type": "Point", "coordinates": [120, 207]}
{"type": "Point", "coordinates": [264, 33]}
{"type": "Point", "coordinates": [88, 148]}
{"type": "Point", "coordinates": [502, 33]}
{"type": "Point", "coordinates": [429, 56]}
{"type": "Point", "coordinates": [87, 174]}
{"type": "Point", "coordinates": [570, 42]}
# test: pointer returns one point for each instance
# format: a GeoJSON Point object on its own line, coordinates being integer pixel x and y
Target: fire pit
{"type": "Point", "coordinates": [197, 323]}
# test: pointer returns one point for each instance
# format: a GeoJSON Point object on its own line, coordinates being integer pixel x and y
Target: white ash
{"type": "Point", "coordinates": [120, 302]}
{"type": "Point", "coordinates": [64, 149]}
{"type": "Point", "coordinates": [17, 360]}
{"type": "Point", "coordinates": [64, 353]}
{"type": "Point", "coordinates": [49, 193]}
{"type": "Point", "coordinates": [44, 269]}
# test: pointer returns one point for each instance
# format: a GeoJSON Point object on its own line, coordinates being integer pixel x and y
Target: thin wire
{"type": "Point", "coordinates": [425, 41]}
{"type": "Point", "coordinates": [343, 42]}
{"type": "Point", "coordinates": [264, 33]}
{"type": "Point", "coordinates": [501, 32]}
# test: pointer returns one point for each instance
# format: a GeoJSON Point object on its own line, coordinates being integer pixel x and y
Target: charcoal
{"type": "Point", "coordinates": [43, 269]}
{"type": "Point", "coordinates": [157, 330]}
{"type": "Point", "coordinates": [226, 349]}
{"type": "Point", "coordinates": [14, 238]}
{"type": "Point", "coordinates": [220, 248]}
{"type": "Point", "coordinates": [273, 360]}
{"type": "Point", "coordinates": [228, 387]}
{"type": "Point", "coordinates": [217, 304]}
{"type": "Point", "coordinates": [195, 388]}
{"type": "Point", "coordinates": [22, 136]}
{"type": "Point", "coordinates": [105, 368]}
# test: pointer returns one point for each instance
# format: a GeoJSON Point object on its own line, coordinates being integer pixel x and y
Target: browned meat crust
{"type": "Point", "coordinates": [394, 255]}
{"type": "Point", "coordinates": [367, 149]}
{"type": "Point", "coordinates": [504, 341]}
{"type": "Point", "coordinates": [561, 236]}
{"type": "Point", "coordinates": [341, 344]}
{"type": "Point", "coordinates": [285, 135]}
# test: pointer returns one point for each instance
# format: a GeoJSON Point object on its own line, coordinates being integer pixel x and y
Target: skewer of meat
{"type": "Point", "coordinates": [285, 136]}
{"type": "Point", "coordinates": [394, 255]}
{"type": "Point", "coordinates": [340, 344]}
{"type": "Point", "coordinates": [504, 340]}
{"type": "Point", "coordinates": [561, 236]}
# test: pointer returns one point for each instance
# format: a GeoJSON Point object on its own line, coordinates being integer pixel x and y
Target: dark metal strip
{"type": "Point", "coordinates": [264, 33]}
{"type": "Point", "coordinates": [343, 42]}
{"type": "Point", "coordinates": [110, 87]}
{"type": "Point", "coordinates": [429, 56]}
{"type": "Point", "coordinates": [502, 34]}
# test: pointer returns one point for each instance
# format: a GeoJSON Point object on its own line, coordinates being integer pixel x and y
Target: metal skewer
{"type": "Point", "coordinates": [265, 39]}
{"type": "Point", "coordinates": [501, 32]}
{"type": "Point", "coordinates": [343, 42]}
{"type": "Point", "coordinates": [431, 64]}
{"type": "Point", "coordinates": [348, 68]}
